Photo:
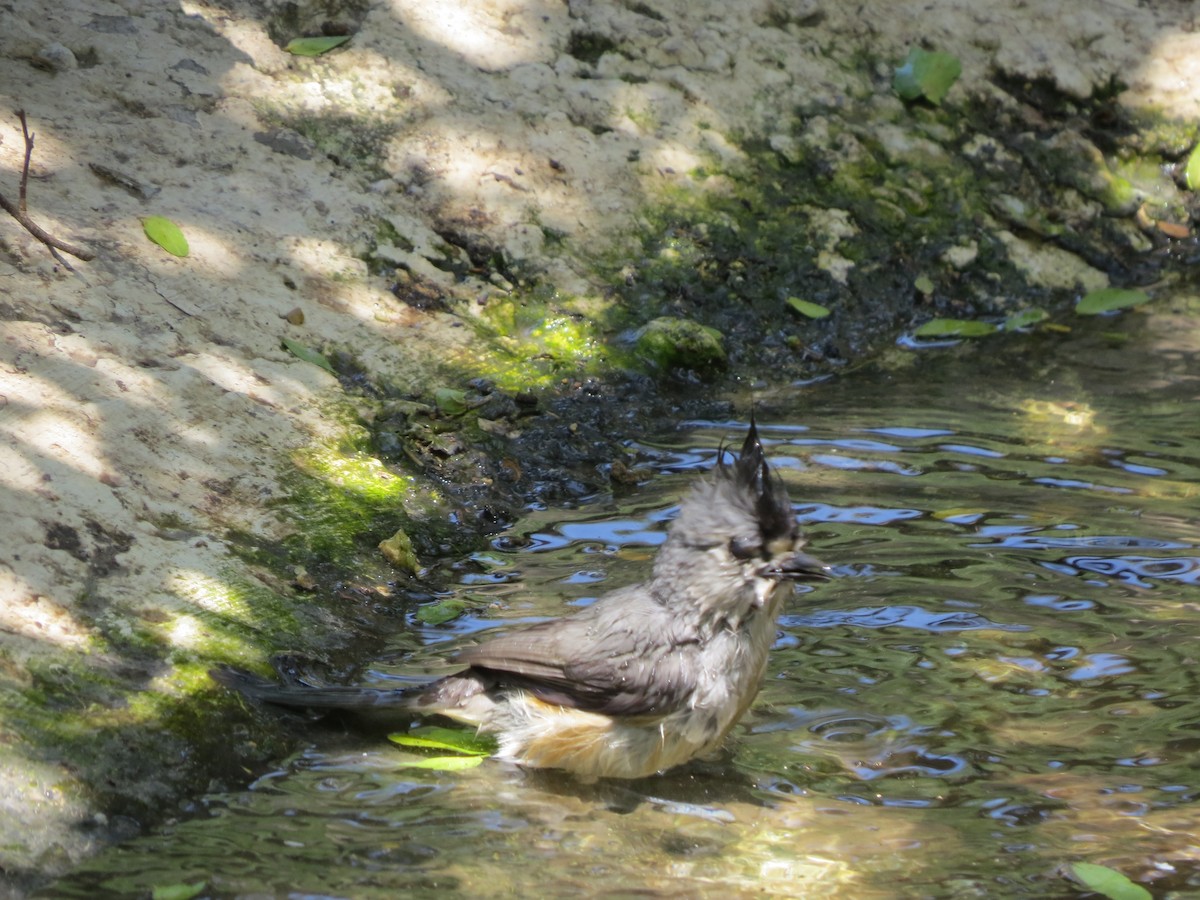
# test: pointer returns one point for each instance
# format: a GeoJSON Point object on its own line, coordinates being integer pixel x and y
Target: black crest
{"type": "Point", "coordinates": [772, 507]}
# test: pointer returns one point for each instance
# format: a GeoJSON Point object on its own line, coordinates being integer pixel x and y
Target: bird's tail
{"type": "Point", "coordinates": [310, 696]}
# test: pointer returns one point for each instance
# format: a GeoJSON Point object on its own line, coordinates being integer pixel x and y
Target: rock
{"type": "Point", "coordinates": [55, 57]}
{"type": "Point", "coordinates": [677, 343]}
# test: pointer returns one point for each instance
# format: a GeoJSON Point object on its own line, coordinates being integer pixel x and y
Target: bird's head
{"type": "Point", "coordinates": [736, 535]}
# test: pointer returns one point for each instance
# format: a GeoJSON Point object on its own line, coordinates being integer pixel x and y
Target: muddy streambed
{"type": "Point", "coordinates": [1003, 680]}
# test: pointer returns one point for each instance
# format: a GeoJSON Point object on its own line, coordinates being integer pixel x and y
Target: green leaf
{"type": "Point", "coordinates": [166, 234]}
{"type": "Point", "coordinates": [443, 763]}
{"type": "Point", "coordinates": [315, 46]}
{"type": "Point", "coordinates": [955, 328]}
{"type": "Point", "coordinates": [440, 613]}
{"type": "Point", "coordinates": [927, 75]}
{"type": "Point", "coordinates": [398, 550]}
{"type": "Point", "coordinates": [807, 308]}
{"type": "Point", "coordinates": [1025, 318]}
{"type": "Point", "coordinates": [1109, 882]}
{"type": "Point", "coordinates": [433, 737]}
{"type": "Point", "coordinates": [181, 891]}
{"type": "Point", "coordinates": [1108, 299]}
{"type": "Point", "coordinates": [307, 354]}
{"type": "Point", "coordinates": [924, 284]}
{"type": "Point", "coordinates": [1191, 172]}
{"type": "Point", "coordinates": [450, 401]}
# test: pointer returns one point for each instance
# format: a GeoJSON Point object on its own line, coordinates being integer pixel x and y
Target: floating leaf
{"type": "Point", "coordinates": [443, 763]}
{"type": "Point", "coordinates": [440, 613]}
{"type": "Point", "coordinates": [433, 737]}
{"type": "Point", "coordinates": [1025, 318]}
{"type": "Point", "coordinates": [181, 891]}
{"type": "Point", "coordinates": [955, 328]}
{"type": "Point", "coordinates": [307, 354]}
{"type": "Point", "coordinates": [924, 284]}
{"type": "Point", "coordinates": [1109, 299]}
{"type": "Point", "coordinates": [928, 75]}
{"type": "Point", "coordinates": [315, 46]}
{"type": "Point", "coordinates": [166, 234]}
{"type": "Point", "coordinates": [450, 401]}
{"type": "Point", "coordinates": [1109, 882]}
{"type": "Point", "coordinates": [1191, 172]}
{"type": "Point", "coordinates": [807, 308]}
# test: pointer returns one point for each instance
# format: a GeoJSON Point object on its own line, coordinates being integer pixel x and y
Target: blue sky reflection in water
{"type": "Point", "coordinates": [1002, 681]}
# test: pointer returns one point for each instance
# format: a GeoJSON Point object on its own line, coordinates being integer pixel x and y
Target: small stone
{"type": "Point", "coordinates": [303, 580]}
{"type": "Point", "coordinates": [788, 147]}
{"type": "Point", "coordinates": [287, 142]}
{"type": "Point", "coordinates": [962, 255]}
{"type": "Point", "coordinates": [295, 316]}
{"type": "Point", "coordinates": [55, 57]}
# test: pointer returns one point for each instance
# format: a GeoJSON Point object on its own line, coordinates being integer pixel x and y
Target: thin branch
{"type": "Point", "coordinates": [18, 212]}
{"type": "Point", "coordinates": [25, 165]}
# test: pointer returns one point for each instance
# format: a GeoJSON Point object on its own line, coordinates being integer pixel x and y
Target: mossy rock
{"type": "Point", "coordinates": [677, 343]}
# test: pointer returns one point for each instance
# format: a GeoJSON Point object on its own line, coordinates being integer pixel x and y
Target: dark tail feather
{"type": "Point", "coordinates": [311, 696]}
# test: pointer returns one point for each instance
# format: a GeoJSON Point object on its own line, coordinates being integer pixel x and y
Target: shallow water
{"type": "Point", "coordinates": [1002, 681]}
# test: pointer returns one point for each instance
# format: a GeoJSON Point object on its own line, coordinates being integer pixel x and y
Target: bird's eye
{"type": "Point", "coordinates": [743, 548]}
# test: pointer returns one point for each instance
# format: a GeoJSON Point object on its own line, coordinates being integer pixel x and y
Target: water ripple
{"type": "Point", "coordinates": [1142, 571]}
{"type": "Point", "coordinates": [897, 617]}
{"type": "Point", "coordinates": [1098, 541]}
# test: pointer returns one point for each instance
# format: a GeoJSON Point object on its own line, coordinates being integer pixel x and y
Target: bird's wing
{"type": "Point", "coordinates": [626, 665]}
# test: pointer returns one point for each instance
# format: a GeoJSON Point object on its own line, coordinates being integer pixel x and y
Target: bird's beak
{"type": "Point", "coordinates": [802, 567]}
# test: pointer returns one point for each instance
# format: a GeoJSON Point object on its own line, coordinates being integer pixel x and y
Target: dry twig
{"type": "Point", "coordinates": [18, 211]}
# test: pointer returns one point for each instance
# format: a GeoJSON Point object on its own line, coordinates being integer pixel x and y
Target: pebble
{"type": "Point", "coordinates": [55, 57]}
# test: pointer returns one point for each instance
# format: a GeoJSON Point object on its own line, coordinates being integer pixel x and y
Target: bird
{"type": "Point", "coordinates": [647, 677]}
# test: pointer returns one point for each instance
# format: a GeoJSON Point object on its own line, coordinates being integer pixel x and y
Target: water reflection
{"type": "Point", "coordinates": [1003, 679]}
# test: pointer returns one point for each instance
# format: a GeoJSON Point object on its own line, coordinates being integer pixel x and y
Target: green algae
{"type": "Point", "coordinates": [535, 340]}
{"type": "Point", "coordinates": [344, 499]}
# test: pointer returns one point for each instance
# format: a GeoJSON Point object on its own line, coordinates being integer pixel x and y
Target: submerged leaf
{"type": "Point", "coordinates": [928, 75]}
{"type": "Point", "coordinates": [450, 401]}
{"type": "Point", "coordinates": [955, 328]}
{"type": "Point", "coordinates": [960, 515]}
{"type": "Point", "coordinates": [166, 234]}
{"type": "Point", "coordinates": [440, 613]}
{"type": "Point", "coordinates": [443, 763]}
{"type": "Point", "coordinates": [1109, 299]}
{"type": "Point", "coordinates": [433, 737]}
{"type": "Point", "coordinates": [808, 308]}
{"type": "Point", "coordinates": [181, 891]}
{"type": "Point", "coordinates": [315, 46]}
{"type": "Point", "coordinates": [1025, 318]}
{"type": "Point", "coordinates": [307, 354]}
{"type": "Point", "coordinates": [1109, 882]}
